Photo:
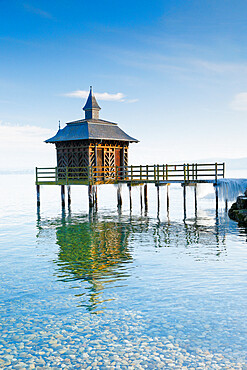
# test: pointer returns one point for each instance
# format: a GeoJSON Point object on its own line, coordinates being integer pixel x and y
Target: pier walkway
{"type": "Point", "coordinates": [185, 174]}
{"type": "Point", "coordinates": [160, 175]}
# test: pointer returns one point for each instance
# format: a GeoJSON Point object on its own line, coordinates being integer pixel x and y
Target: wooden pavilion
{"type": "Point", "coordinates": [92, 151]}
{"type": "Point", "coordinates": [91, 142]}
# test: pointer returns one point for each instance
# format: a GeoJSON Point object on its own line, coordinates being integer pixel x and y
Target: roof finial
{"type": "Point", "coordinates": [59, 126]}
{"type": "Point", "coordinates": [91, 107]}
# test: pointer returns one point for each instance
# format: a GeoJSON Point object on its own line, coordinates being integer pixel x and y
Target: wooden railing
{"type": "Point", "coordinates": [194, 172]}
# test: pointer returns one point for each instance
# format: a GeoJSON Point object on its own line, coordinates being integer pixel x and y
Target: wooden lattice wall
{"type": "Point", "coordinates": [74, 154]}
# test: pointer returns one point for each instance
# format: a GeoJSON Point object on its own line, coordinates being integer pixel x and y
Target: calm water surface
{"type": "Point", "coordinates": [119, 290]}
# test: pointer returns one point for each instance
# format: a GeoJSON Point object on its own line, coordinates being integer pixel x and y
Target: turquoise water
{"type": "Point", "coordinates": [119, 290]}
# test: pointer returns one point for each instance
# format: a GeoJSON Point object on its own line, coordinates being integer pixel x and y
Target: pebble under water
{"type": "Point", "coordinates": [119, 290]}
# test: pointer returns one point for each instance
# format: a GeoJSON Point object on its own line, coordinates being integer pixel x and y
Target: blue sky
{"type": "Point", "coordinates": [179, 69]}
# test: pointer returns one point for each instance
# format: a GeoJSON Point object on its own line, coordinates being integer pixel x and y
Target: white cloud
{"type": "Point", "coordinates": [99, 96]}
{"type": "Point", "coordinates": [23, 147]}
{"type": "Point", "coordinates": [239, 102]}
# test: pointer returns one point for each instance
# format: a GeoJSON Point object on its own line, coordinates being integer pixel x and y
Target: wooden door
{"type": "Point", "coordinates": [118, 161]}
{"type": "Point", "coordinates": [100, 163]}
{"type": "Point", "coordinates": [118, 157]}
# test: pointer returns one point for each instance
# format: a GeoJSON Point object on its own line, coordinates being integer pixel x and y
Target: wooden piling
{"type": "Point", "coordinates": [95, 194]}
{"type": "Point", "coordinates": [216, 199]}
{"type": "Point", "coordinates": [90, 196]}
{"type": "Point", "coordinates": [130, 197]}
{"type": "Point", "coordinates": [167, 200]}
{"type": "Point", "coordinates": [141, 203]}
{"type": "Point", "coordinates": [119, 196]}
{"type": "Point", "coordinates": [184, 196]}
{"type": "Point", "coordinates": [69, 194]}
{"type": "Point", "coordinates": [146, 197]}
{"type": "Point", "coordinates": [195, 195]}
{"type": "Point", "coordinates": [226, 205]}
{"type": "Point", "coordinates": [63, 195]}
{"type": "Point", "coordinates": [38, 195]}
{"type": "Point", "coordinates": [158, 198]}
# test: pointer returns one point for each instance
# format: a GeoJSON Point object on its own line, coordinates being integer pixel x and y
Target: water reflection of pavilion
{"type": "Point", "coordinates": [96, 251]}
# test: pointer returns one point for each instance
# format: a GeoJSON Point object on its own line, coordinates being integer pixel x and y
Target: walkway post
{"type": "Point", "coordinates": [63, 195]}
{"type": "Point", "coordinates": [226, 205]}
{"type": "Point", "coordinates": [119, 196]}
{"type": "Point", "coordinates": [184, 193]}
{"type": "Point", "coordinates": [158, 197]}
{"type": "Point", "coordinates": [141, 197]}
{"type": "Point", "coordinates": [38, 195]}
{"type": "Point", "coordinates": [217, 199]}
{"type": "Point", "coordinates": [69, 194]}
{"type": "Point", "coordinates": [130, 196]}
{"type": "Point", "coordinates": [195, 194]}
{"type": "Point", "coordinates": [95, 194]}
{"type": "Point", "coordinates": [167, 200]}
{"type": "Point", "coordinates": [146, 197]}
{"type": "Point", "coordinates": [90, 196]}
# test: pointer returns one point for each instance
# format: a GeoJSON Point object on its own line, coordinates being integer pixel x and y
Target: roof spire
{"type": "Point", "coordinates": [59, 126]}
{"type": "Point", "coordinates": [91, 107]}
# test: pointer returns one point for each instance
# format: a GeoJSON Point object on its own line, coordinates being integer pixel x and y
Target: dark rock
{"type": "Point", "coordinates": [232, 213]}
{"type": "Point", "coordinates": [242, 202]}
{"type": "Point", "coordinates": [238, 210]}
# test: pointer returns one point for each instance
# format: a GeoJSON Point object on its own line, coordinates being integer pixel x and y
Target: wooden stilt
{"type": "Point", "coordinates": [95, 193]}
{"type": "Point", "coordinates": [90, 196]}
{"type": "Point", "coordinates": [63, 195]}
{"type": "Point", "coordinates": [38, 215]}
{"type": "Point", "coordinates": [119, 196]}
{"type": "Point", "coordinates": [184, 193]}
{"type": "Point", "coordinates": [146, 197]}
{"type": "Point", "coordinates": [167, 200]}
{"type": "Point", "coordinates": [69, 194]}
{"type": "Point", "coordinates": [226, 205]}
{"type": "Point", "coordinates": [130, 196]}
{"type": "Point", "coordinates": [195, 194]}
{"type": "Point", "coordinates": [217, 199]}
{"type": "Point", "coordinates": [38, 195]}
{"type": "Point", "coordinates": [158, 198]}
{"type": "Point", "coordinates": [141, 203]}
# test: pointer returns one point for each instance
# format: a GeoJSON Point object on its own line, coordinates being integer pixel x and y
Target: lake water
{"type": "Point", "coordinates": [119, 290]}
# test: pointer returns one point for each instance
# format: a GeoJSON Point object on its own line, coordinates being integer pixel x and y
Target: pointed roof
{"type": "Point", "coordinates": [91, 102]}
{"type": "Point", "coordinates": [88, 129]}
{"type": "Point", "coordinates": [91, 127]}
